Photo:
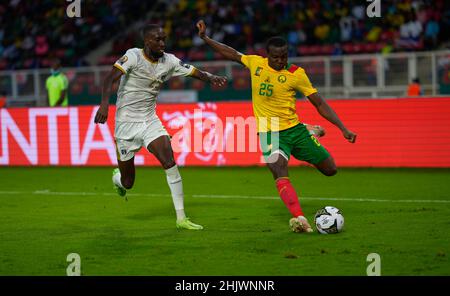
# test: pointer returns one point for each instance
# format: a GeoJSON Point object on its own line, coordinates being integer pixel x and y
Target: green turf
{"type": "Point", "coordinates": [45, 217]}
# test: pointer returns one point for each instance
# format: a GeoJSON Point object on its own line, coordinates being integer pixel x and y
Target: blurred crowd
{"type": "Point", "coordinates": [33, 31]}
{"type": "Point", "coordinates": [246, 24]}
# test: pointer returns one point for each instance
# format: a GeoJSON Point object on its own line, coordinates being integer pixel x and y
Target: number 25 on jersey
{"type": "Point", "coordinates": [266, 89]}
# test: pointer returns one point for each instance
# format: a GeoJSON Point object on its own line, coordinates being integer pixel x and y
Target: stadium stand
{"type": "Point", "coordinates": [31, 32]}
{"type": "Point", "coordinates": [312, 27]}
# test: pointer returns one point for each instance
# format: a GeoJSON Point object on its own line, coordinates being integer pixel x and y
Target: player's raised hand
{"type": "Point", "coordinates": [218, 80]}
{"type": "Point", "coordinates": [102, 114]}
{"type": "Point", "coordinates": [349, 135]}
{"type": "Point", "coordinates": [201, 26]}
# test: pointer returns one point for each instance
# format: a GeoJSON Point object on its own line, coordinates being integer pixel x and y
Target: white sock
{"type": "Point", "coordinates": [116, 180]}
{"type": "Point", "coordinates": [176, 188]}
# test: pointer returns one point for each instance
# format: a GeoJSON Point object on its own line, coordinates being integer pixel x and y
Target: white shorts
{"type": "Point", "coordinates": [131, 136]}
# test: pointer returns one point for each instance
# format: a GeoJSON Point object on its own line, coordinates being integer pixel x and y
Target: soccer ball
{"type": "Point", "coordinates": [329, 220]}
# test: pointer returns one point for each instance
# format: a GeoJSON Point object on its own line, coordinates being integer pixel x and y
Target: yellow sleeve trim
{"type": "Point", "coordinates": [120, 68]}
{"type": "Point", "coordinates": [311, 93]}
{"type": "Point", "coordinates": [192, 71]}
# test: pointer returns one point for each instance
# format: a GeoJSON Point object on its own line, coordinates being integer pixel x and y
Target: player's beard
{"type": "Point", "coordinates": [157, 54]}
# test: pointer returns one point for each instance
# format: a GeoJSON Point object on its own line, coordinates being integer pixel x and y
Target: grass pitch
{"type": "Point", "coordinates": [47, 213]}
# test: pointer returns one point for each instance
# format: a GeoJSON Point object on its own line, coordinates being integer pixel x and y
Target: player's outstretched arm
{"type": "Point", "coordinates": [208, 77]}
{"type": "Point", "coordinates": [328, 113]}
{"type": "Point", "coordinates": [227, 52]}
{"type": "Point", "coordinates": [102, 112]}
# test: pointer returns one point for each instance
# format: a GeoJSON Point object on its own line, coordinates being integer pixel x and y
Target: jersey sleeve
{"type": "Point", "coordinates": [126, 62]}
{"type": "Point", "coordinates": [303, 84]}
{"type": "Point", "coordinates": [248, 60]}
{"type": "Point", "coordinates": [180, 68]}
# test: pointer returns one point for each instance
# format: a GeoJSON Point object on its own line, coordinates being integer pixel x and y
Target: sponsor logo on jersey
{"type": "Point", "coordinates": [122, 60]}
{"type": "Point", "coordinates": [258, 71]}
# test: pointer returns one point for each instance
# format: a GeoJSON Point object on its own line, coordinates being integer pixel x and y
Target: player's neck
{"type": "Point", "coordinates": [149, 55]}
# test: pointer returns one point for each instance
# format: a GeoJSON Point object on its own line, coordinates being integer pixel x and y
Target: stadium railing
{"type": "Point", "coordinates": [348, 76]}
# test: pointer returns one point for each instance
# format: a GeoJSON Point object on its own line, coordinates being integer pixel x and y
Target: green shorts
{"type": "Point", "coordinates": [296, 141]}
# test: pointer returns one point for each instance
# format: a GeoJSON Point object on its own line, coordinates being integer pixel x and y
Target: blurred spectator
{"type": "Point", "coordinates": [57, 86]}
{"type": "Point", "coordinates": [374, 34]}
{"type": "Point", "coordinates": [410, 32]}
{"type": "Point", "coordinates": [337, 50]}
{"type": "Point", "coordinates": [359, 11]}
{"type": "Point", "coordinates": [346, 24]}
{"type": "Point", "coordinates": [358, 31]}
{"type": "Point", "coordinates": [42, 46]}
{"type": "Point", "coordinates": [414, 88]}
{"type": "Point", "coordinates": [431, 33]}
{"type": "Point", "coordinates": [387, 48]}
{"type": "Point", "coordinates": [322, 31]}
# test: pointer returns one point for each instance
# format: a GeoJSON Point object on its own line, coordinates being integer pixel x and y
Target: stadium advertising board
{"type": "Point", "coordinates": [391, 133]}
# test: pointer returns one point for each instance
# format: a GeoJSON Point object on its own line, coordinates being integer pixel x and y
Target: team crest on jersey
{"type": "Point", "coordinates": [258, 71]}
{"type": "Point", "coordinates": [122, 60]}
{"type": "Point", "coordinates": [184, 65]}
{"type": "Point", "coordinates": [282, 78]}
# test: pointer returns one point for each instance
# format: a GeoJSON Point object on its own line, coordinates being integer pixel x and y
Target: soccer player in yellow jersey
{"type": "Point", "coordinates": [274, 84]}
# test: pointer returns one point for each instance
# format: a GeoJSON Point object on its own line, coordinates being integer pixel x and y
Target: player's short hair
{"type": "Point", "coordinates": [149, 28]}
{"type": "Point", "coordinates": [275, 41]}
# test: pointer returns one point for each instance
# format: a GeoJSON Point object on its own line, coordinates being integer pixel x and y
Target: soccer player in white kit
{"type": "Point", "coordinates": [142, 73]}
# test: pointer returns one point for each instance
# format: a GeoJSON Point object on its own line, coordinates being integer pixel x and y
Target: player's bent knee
{"type": "Point", "coordinates": [330, 172]}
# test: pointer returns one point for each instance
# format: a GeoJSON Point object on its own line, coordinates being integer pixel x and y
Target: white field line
{"type": "Point", "coordinates": [47, 192]}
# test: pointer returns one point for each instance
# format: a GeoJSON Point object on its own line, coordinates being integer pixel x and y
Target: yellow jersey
{"type": "Point", "coordinates": [273, 93]}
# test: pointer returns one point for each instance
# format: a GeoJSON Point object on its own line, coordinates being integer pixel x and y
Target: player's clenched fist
{"type": "Point", "coordinates": [218, 80]}
{"type": "Point", "coordinates": [201, 28]}
{"type": "Point", "coordinates": [350, 136]}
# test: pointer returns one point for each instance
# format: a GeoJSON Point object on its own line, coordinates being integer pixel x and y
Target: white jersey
{"type": "Point", "coordinates": [143, 79]}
